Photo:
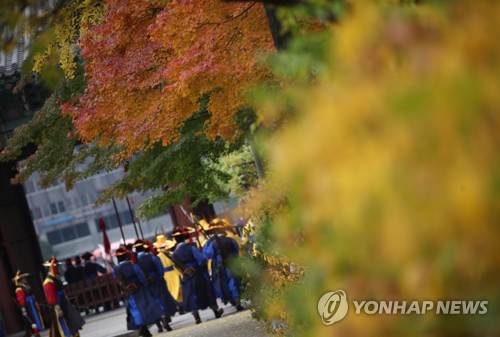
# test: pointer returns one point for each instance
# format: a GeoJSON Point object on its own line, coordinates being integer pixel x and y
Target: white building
{"type": "Point", "coordinates": [68, 220]}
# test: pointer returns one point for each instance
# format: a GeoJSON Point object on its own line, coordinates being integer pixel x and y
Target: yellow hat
{"type": "Point", "coordinates": [204, 224]}
{"type": "Point", "coordinates": [161, 238]}
{"type": "Point", "coordinates": [170, 244]}
{"type": "Point", "coordinates": [52, 265]}
{"type": "Point", "coordinates": [160, 241]}
{"type": "Point", "coordinates": [218, 223]}
{"type": "Point", "coordinates": [18, 277]}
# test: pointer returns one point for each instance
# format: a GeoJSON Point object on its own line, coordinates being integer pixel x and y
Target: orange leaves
{"type": "Point", "coordinates": [218, 50]}
{"type": "Point", "coordinates": [147, 67]}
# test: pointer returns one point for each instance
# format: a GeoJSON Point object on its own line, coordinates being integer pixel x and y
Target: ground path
{"type": "Point", "coordinates": [232, 323]}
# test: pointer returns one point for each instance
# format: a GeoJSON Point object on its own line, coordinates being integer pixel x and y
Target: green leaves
{"type": "Point", "coordinates": [177, 170]}
{"type": "Point", "coordinates": [51, 134]}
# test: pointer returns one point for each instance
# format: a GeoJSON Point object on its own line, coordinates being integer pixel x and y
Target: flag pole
{"type": "Point", "coordinates": [106, 243]}
{"type": "Point", "coordinates": [118, 217]}
{"type": "Point", "coordinates": [140, 228]}
{"type": "Point", "coordinates": [133, 220]}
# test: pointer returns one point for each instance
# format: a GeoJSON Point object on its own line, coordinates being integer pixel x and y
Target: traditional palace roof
{"type": "Point", "coordinates": [11, 59]}
{"type": "Point", "coordinates": [17, 106]}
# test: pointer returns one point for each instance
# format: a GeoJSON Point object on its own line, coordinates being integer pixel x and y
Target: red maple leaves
{"type": "Point", "coordinates": [148, 63]}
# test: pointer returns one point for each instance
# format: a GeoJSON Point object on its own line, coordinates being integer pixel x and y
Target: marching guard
{"type": "Point", "coordinates": [142, 307]}
{"type": "Point", "coordinates": [197, 291]}
{"type": "Point", "coordinates": [28, 304]}
{"type": "Point", "coordinates": [65, 320]}
{"type": "Point", "coordinates": [222, 250]}
{"type": "Point", "coordinates": [230, 232]}
{"type": "Point", "coordinates": [153, 270]}
{"type": "Point", "coordinates": [171, 274]}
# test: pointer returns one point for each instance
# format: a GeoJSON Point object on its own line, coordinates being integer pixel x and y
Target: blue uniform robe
{"type": "Point", "coordinates": [197, 292]}
{"type": "Point", "coordinates": [31, 306]}
{"type": "Point", "coordinates": [153, 270]}
{"type": "Point", "coordinates": [142, 307]}
{"type": "Point", "coordinates": [226, 283]}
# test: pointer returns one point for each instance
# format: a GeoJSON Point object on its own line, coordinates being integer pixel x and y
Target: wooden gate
{"type": "Point", "coordinates": [102, 291]}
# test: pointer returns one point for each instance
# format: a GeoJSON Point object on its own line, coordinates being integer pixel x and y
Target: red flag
{"type": "Point", "coordinates": [107, 245]}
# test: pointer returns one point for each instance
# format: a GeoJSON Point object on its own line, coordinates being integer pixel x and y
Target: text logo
{"type": "Point", "coordinates": [332, 306]}
{"type": "Point", "coordinates": [421, 307]}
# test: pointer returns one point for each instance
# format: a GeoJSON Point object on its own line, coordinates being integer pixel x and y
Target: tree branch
{"type": "Point", "coordinates": [231, 18]}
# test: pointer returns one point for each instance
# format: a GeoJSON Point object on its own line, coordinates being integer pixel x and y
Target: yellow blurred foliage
{"type": "Point", "coordinates": [61, 39]}
{"type": "Point", "coordinates": [386, 180]}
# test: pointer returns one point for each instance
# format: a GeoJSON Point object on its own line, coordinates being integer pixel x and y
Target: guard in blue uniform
{"type": "Point", "coordinates": [153, 270]}
{"type": "Point", "coordinates": [222, 251]}
{"type": "Point", "coordinates": [197, 291]}
{"type": "Point", "coordinates": [142, 307]}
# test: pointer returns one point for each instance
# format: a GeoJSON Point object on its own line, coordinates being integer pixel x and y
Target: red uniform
{"type": "Point", "coordinates": [29, 306]}
{"type": "Point", "coordinates": [65, 319]}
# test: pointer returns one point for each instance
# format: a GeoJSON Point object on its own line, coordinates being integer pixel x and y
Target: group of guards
{"type": "Point", "coordinates": [172, 276]}
{"type": "Point", "coordinates": [186, 274]}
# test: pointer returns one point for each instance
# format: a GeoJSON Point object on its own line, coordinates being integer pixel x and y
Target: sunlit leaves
{"type": "Point", "coordinates": [177, 170]}
{"type": "Point", "coordinates": [141, 91]}
{"type": "Point", "coordinates": [384, 180]}
{"type": "Point", "coordinates": [53, 34]}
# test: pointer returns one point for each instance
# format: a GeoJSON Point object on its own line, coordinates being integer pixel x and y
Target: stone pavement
{"type": "Point", "coordinates": [232, 323]}
{"type": "Point", "coordinates": [236, 324]}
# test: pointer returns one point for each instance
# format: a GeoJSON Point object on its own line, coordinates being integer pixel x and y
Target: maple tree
{"type": "Point", "coordinates": [188, 167]}
{"type": "Point", "coordinates": [140, 93]}
{"type": "Point", "coordinates": [124, 81]}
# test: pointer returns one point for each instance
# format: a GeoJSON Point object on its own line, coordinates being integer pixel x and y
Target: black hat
{"type": "Point", "coordinates": [87, 256]}
{"type": "Point", "coordinates": [180, 235]}
{"type": "Point", "coordinates": [122, 254]}
{"type": "Point", "coordinates": [140, 245]}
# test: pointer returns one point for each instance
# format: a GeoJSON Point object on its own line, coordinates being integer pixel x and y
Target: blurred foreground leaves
{"type": "Point", "coordinates": [384, 181]}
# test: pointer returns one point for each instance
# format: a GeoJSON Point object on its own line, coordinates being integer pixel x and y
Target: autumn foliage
{"type": "Point", "coordinates": [385, 180]}
{"type": "Point", "coordinates": [383, 174]}
{"type": "Point", "coordinates": [148, 64]}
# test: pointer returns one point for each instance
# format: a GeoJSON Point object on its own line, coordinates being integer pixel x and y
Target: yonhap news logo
{"type": "Point", "coordinates": [333, 307]}
{"type": "Point", "coordinates": [421, 307]}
